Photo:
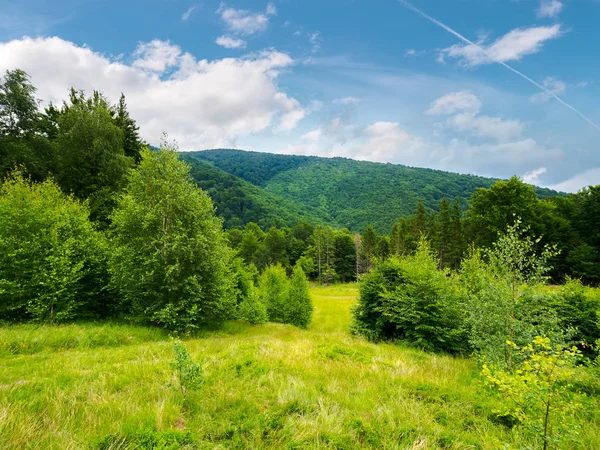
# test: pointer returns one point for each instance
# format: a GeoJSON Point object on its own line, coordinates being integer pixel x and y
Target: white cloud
{"type": "Point", "coordinates": [186, 15]}
{"type": "Point", "coordinates": [582, 84]}
{"type": "Point", "coordinates": [156, 56]}
{"type": "Point", "coordinates": [271, 9]}
{"type": "Point", "coordinates": [314, 39]}
{"type": "Point", "coordinates": [313, 135]}
{"type": "Point", "coordinates": [513, 46]}
{"type": "Point", "coordinates": [200, 103]}
{"type": "Point", "coordinates": [413, 52]}
{"type": "Point", "coordinates": [464, 107]}
{"type": "Point", "coordinates": [462, 101]}
{"type": "Point", "coordinates": [243, 21]}
{"type": "Point", "coordinates": [487, 127]}
{"type": "Point", "coordinates": [230, 42]}
{"type": "Point", "coordinates": [552, 86]}
{"type": "Point", "coordinates": [533, 176]}
{"type": "Point", "coordinates": [590, 177]}
{"type": "Point", "coordinates": [549, 8]}
{"type": "Point", "coordinates": [347, 101]}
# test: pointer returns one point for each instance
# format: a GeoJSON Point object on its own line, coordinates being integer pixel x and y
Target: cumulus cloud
{"type": "Point", "coordinates": [230, 42]}
{"type": "Point", "coordinates": [549, 8]}
{"type": "Point", "coordinates": [513, 46]}
{"type": "Point", "coordinates": [156, 56]}
{"type": "Point", "coordinates": [464, 107]}
{"type": "Point", "coordinates": [243, 21]}
{"type": "Point", "coordinates": [200, 103]}
{"type": "Point", "coordinates": [461, 101]}
{"type": "Point", "coordinates": [552, 86]}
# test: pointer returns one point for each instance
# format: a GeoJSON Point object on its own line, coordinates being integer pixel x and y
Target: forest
{"type": "Point", "coordinates": [107, 241]}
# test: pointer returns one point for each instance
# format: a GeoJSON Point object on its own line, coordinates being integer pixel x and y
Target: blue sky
{"type": "Point", "coordinates": [426, 83]}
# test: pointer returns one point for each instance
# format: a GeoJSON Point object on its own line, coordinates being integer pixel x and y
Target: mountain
{"type": "Point", "coordinates": [339, 191]}
{"type": "Point", "coordinates": [238, 202]}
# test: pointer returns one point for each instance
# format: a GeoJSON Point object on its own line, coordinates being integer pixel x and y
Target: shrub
{"type": "Point", "coordinates": [410, 299]}
{"type": "Point", "coordinates": [301, 307]}
{"type": "Point", "coordinates": [170, 261]}
{"type": "Point", "coordinates": [52, 261]}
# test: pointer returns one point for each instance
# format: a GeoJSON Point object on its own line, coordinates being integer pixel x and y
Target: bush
{"type": "Point", "coordinates": [170, 261]}
{"type": "Point", "coordinates": [410, 299]}
{"type": "Point", "coordinates": [301, 307]}
{"type": "Point", "coordinates": [52, 261]}
{"type": "Point", "coordinates": [249, 305]}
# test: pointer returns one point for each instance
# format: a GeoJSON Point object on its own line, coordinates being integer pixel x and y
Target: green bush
{"type": "Point", "coordinates": [170, 260]}
{"type": "Point", "coordinates": [301, 307]}
{"type": "Point", "coordinates": [52, 261]}
{"type": "Point", "coordinates": [410, 299]}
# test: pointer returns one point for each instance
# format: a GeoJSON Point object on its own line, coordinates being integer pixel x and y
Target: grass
{"type": "Point", "coordinates": [106, 386]}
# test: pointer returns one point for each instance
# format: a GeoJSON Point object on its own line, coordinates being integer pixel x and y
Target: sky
{"type": "Point", "coordinates": [489, 87]}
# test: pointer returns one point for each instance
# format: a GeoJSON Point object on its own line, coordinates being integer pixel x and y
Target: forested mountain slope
{"type": "Point", "coordinates": [345, 192]}
{"type": "Point", "coordinates": [238, 202]}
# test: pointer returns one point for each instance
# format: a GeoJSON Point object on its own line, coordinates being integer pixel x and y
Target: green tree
{"type": "Point", "coordinates": [91, 162]}
{"type": "Point", "coordinates": [51, 258]}
{"type": "Point", "coordinates": [21, 141]}
{"type": "Point", "coordinates": [300, 301]}
{"type": "Point", "coordinates": [344, 256]}
{"type": "Point", "coordinates": [170, 261]}
{"type": "Point", "coordinates": [445, 233]}
{"type": "Point", "coordinates": [274, 292]}
{"type": "Point", "coordinates": [132, 142]}
{"type": "Point", "coordinates": [493, 209]}
{"type": "Point", "coordinates": [19, 114]}
{"type": "Point", "coordinates": [368, 248]}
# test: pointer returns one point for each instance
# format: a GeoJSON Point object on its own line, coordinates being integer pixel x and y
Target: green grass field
{"type": "Point", "coordinates": [106, 386]}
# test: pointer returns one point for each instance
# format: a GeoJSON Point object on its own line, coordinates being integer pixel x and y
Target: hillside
{"type": "Point", "coordinates": [238, 202]}
{"type": "Point", "coordinates": [345, 192]}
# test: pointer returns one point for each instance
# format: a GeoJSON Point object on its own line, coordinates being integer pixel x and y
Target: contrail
{"type": "Point", "coordinates": [413, 8]}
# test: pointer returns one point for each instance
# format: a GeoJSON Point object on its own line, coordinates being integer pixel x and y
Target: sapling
{"type": "Point", "coordinates": [187, 373]}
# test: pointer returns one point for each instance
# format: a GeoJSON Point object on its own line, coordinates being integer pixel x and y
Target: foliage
{"type": "Point", "coordinates": [187, 373]}
{"type": "Point", "coordinates": [500, 296]}
{"type": "Point", "coordinates": [274, 292]}
{"type": "Point", "coordinates": [337, 189]}
{"type": "Point", "coordinates": [18, 105]}
{"type": "Point", "coordinates": [91, 163]}
{"type": "Point", "coordinates": [541, 400]}
{"type": "Point", "coordinates": [301, 307]}
{"type": "Point", "coordinates": [52, 261]}
{"type": "Point", "coordinates": [411, 299]}
{"type": "Point", "coordinates": [170, 261]}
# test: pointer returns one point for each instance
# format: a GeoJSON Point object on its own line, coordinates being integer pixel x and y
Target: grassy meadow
{"type": "Point", "coordinates": [107, 386]}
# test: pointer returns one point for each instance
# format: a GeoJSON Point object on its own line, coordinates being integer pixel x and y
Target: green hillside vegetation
{"type": "Point", "coordinates": [108, 386]}
{"type": "Point", "coordinates": [346, 193]}
{"type": "Point", "coordinates": [239, 202]}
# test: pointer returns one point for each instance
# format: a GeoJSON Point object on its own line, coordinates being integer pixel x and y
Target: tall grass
{"type": "Point", "coordinates": [272, 386]}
